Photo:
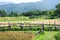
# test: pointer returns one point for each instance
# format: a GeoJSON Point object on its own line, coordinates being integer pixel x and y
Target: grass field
{"type": "Point", "coordinates": [21, 18]}
{"type": "Point", "coordinates": [16, 35]}
{"type": "Point", "coordinates": [27, 20]}
{"type": "Point", "coordinates": [46, 36]}
{"type": "Point", "coordinates": [28, 35]}
{"type": "Point", "coordinates": [20, 35]}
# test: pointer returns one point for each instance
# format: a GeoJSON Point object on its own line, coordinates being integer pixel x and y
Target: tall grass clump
{"type": "Point", "coordinates": [57, 36]}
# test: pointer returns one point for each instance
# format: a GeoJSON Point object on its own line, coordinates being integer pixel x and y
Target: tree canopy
{"type": "Point", "coordinates": [3, 13]}
{"type": "Point", "coordinates": [36, 13]}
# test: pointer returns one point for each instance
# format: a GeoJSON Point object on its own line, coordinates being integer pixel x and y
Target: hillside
{"type": "Point", "coordinates": [22, 7]}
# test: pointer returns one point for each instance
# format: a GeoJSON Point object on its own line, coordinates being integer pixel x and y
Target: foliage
{"type": "Point", "coordinates": [13, 14]}
{"type": "Point", "coordinates": [48, 14]}
{"type": "Point", "coordinates": [48, 35]}
{"type": "Point", "coordinates": [3, 13]}
{"type": "Point", "coordinates": [58, 10]}
{"type": "Point", "coordinates": [57, 36]}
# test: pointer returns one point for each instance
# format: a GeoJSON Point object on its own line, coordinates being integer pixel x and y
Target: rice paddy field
{"type": "Point", "coordinates": [23, 18]}
{"type": "Point", "coordinates": [5, 20]}
{"type": "Point", "coordinates": [28, 35]}
{"type": "Point", "coordinates": [15, 35]}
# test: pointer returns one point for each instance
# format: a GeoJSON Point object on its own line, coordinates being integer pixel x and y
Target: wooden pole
{"type": "Point", "coordinates": [30, 26]}
{"type": "Point", "coordinates": [55, 25]}
{"type": "Point", "coordinates": [21, 25]}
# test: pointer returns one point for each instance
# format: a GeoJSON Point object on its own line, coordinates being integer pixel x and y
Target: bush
{"type": "Point", "coordinates": [46, 28]}
{"type": "Point", "coordinates": [57, 36]}
{"type": "Point", "coordinates": [51, 29]}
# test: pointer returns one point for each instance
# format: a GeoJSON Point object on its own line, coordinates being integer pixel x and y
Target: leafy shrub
{"type": "Point", "coordinates": [46, 29]}
{"type": "Point", "coordinates": [51, 29]}
{"type": "Point", "coordinates": [57, 36]}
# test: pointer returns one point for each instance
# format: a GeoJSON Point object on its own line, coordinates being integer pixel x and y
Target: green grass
{"type": "Point", "coordinates": [46, 36]}
{"type": "Point", "coordinates": [21, 18]}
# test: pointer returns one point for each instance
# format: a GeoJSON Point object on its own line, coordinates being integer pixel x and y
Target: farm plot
{"type": "Point", "coordinates": [27, 35]}
{"type": "Point", "coordinates": [16, 35]}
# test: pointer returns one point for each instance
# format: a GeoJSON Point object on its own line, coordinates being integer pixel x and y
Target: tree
{"type": "Point", "coordinates": [32, 14]}
{"type": "Point", "coordinates": [13, 14]}
{"type": "Point", "coordinates": [3, 13]}
{"type": "Point", "coordinates": [52, 14]}
{"type": "Point", "coordinates": [26, 13]}
{"type": "Point", "coordinates": [58, 10]}
{"type": "Point", "coordinates": [58, 6]}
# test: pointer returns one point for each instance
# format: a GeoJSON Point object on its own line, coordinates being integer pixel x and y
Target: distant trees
{"type": "Point", "coordinates": [58, 6]}
{"type": "Point", "coordinates": [3, 13]}
{"type": "Point", "coordinates": [13, 14]}
{"type": "Point", "coordinates": [51, 14]}
{"type": "Point", "coordinates": [32, 14]}
{"type": "Point", "coordinates": [37, 13]}
{"type": "Point", "coordinates": [58, 10]}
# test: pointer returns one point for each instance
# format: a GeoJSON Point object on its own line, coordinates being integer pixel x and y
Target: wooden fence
{"type": "Point", "coordinates": [42, 25]}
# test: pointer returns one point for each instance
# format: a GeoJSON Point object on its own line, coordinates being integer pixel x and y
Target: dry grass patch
{"type": "Point", "coordinates": [13, 35]}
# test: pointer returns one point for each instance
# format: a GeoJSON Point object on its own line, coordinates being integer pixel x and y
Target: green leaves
{"type": "Point", "coordinates": [13, 14]}
{"type": "Point", "coordinates": [3, 13]}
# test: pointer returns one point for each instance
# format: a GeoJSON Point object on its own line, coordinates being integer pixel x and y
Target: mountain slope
{"type": "Point", "coordinates": [43, 5]}
{"type": "Point", "coordinates": [4, 3]}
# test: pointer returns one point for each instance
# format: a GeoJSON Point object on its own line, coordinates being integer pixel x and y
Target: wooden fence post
{"type": "Point", "coordinates": [9, 25]}
{"type": "Point", "coordinates": [30, 26]}
{"type": "Point", "coordinates": [21, 25]}
{"type": "Point", "coordinates": [42, 28]}
{"type": "Point", "coordinates": [49, 27]}
{"type": "Point", "coordinates": [0, 25]}
{"type": "Point", "coordinates": [55, 25]}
